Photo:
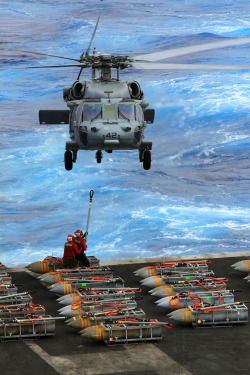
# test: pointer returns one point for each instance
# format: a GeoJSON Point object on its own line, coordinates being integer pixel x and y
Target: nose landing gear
{"type": "Point", "coordinates": [98, 156]}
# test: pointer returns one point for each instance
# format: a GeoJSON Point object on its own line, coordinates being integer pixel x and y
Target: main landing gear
{"type": "Point", "coordinates": [145, 157]}
{"type": "Point", "coordinates": [69, 159]}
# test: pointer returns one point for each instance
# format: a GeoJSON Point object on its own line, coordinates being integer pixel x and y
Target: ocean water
{"type": "Point", "coordinates": [194, 200]}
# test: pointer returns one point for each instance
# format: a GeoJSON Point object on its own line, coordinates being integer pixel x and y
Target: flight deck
{"type": "Point", "coordinates": [183, 350]}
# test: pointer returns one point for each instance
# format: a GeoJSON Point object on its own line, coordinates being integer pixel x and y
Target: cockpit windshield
{"type": "Point", "coordinates": [91, 112]}
{"type": "Point", "coordinates": [120, 111]}
{"type": "Point", "coordinates": [126, 111]}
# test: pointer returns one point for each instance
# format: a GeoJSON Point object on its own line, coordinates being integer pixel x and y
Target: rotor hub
{"type": "Point", "coordinates": [106, 60]}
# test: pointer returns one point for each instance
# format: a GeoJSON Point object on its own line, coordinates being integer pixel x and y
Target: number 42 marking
{"type": "Point", "coordinates": [111, 135]}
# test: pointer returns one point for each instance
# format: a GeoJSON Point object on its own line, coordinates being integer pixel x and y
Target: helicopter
{"type": "Point", "coordinates": [107, 114]}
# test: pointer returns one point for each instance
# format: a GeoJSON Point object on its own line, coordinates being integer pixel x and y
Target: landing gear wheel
{"type": "Point", "coordinates": [68, 161]}
{"type": "Point", "coordinates": [147, 160]}
{"type": "Point", "coordinates": [98, 156]}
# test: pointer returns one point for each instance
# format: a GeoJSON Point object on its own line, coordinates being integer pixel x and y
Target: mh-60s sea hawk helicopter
{"type": "Point", "coordinates": [108, 114]}
{"type": "Point", "coordinates": [104, 113]}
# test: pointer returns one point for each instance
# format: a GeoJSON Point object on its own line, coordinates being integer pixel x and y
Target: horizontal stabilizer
{"type": "Point", "coordinates": [149, 115]}
{"type": "Point", "coordinates": [54, 116]}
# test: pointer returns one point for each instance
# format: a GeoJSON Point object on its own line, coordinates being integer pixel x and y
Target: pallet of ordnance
{"type": "Point", "coordinates": [21, 310]}
{"type": "Point", "coordinates": [69, 286]}
{"type": "Point", "coordinates": [90, 294]}
{"type": "Point", "coordinates": [124, 331]}
{"type": "Point", "coordinates": [5, 278]}
{"type": "Point", "coordinates": [19, 317]}
{"type": "Point", "coordinates": [51, 263]}
{"type": "Point", "coordinates": [196, 297]}
{"type": "Point", "coordinates": [160, 280]}
{"type": "Point", "coordinates": [207, 283]}
{"type": "Point", "coordinates": [52, 277]}
{"type": "Point", "coordinates": [29, 326]}
{"type": "Point", "coordinates": [186, 299]}
{"type": "Point", "coordinates": [216, 315]}
{"type": "Point", "coordinates": [6, 290]}
{"type": "Point", "coordinates": [90, 318]}
{"type": "Point", "coordinates": [167, 267]}
{"type": "Point", "coordinates": [80, 307]}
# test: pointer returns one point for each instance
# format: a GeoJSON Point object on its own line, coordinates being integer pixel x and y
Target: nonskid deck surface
{"type": "Point", "coordinates": [183, 350]}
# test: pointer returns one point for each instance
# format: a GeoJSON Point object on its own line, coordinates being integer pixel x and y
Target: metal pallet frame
{"type": "Point", "coordinates": [227, 321]}
{"type": "Point", "coordinates": [111, 340]}
{"type": "Point", "coordinates": [21, 335]}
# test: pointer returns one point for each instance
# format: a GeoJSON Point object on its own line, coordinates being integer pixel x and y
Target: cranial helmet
{"type": "Point", "coordinates": [78, 232]}
{"type": "Point", "coordinates": [70, 238]}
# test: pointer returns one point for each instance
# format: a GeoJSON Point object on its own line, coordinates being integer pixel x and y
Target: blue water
{"type": "Point", "coordinates": [195, 198]}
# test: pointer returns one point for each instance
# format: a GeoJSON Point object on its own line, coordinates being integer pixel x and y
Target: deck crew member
{"type": "Point", "coordinates": [70, 253]}
{"type": "Point", "coordinates": [82, 247]}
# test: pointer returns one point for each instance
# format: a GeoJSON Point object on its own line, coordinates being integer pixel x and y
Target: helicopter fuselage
{"type": "Point", "coordinates": [106, 124]}
{"type": "Point", "coordinates": [105, 115]}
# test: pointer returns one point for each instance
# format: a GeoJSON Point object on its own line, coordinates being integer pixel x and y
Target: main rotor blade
{"type": "Point", "coordinates": [154, 66]}
{"type": "Point", "coordinates": [166, 54]}
{"type": "Point", "coordinates": [93, 35]}
{"type": "Point", "coordinates": [44, 66]}
{"type": "Point", "coordinates": [37, 53]}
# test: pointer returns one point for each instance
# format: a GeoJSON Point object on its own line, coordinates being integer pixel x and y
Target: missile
{"type": "Point", "coordinates": [166, 267]}
{"type": "Point", "coordinates": [195, 286]}
{"type": "Point", "coordinates": [47, 264]}
{"type": "Point", "coordinates": [122, 332]}
{"type": "Point", "coordinates": [242, 266]}
{"type": "Point", "coordinates": [92, 282]}
{"type": "Point", "coordinates": [74, 310]}
{"type": "Point", "coordinates": [40, 267]}
{"type": "Point", "coordinates": [162, 291]}
{"type": "Point", "coordinates": [186, 299]}
{"type": "Point", "coordinates": [155, 281]}
{"type": "Point", "coordinates": [91, 319]}
{"type": "Point", "coordinates": [68, 299]}
{"type": "Point", "coordinates": [233, 313]}
{"type": "Point", "coordinates": [79, 272]}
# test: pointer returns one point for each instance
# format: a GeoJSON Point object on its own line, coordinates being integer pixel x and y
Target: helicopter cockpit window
{"type": "Point", "coordinates": [91, 112]}
{"type": "Point", "coordinates": [126, 111]}
{"type": "Point", "coordinates": [109, 112]}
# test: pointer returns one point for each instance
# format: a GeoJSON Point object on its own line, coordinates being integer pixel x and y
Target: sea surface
{"type": "Point", "coordinates": [194, 200]}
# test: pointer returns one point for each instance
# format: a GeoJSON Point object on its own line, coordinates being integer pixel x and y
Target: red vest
{"type": "Point", "coordinates": [70, 250]}
{"type": "Point", "coordinates": [81, 243]}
